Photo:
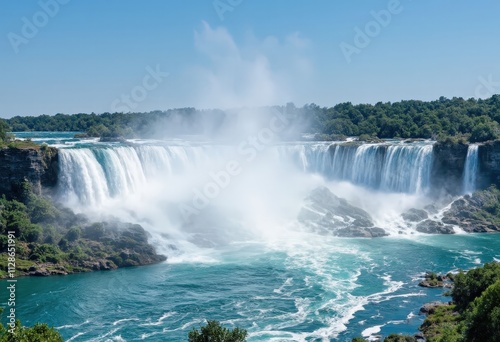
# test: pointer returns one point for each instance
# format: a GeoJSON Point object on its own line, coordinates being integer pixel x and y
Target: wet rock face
{"type": "Point", "coordinates": [448, 166]}
{"type": "Point", "coordinates": [37, 166]}
{"type": "Point", "coordinates": [470, 215]}
{"type": "Point", "coordinates": [434, 227]}
{"type": "Point", "coordinates": [415, 215]}
{"type": "Point", "coordinates": [328, 214]}
{"type": "Point", "coordinates": [489, 163]}
{"type": "Point", "coordinates": [431, 307]}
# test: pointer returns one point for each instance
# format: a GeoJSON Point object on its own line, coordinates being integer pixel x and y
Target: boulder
{"type": "Point", "coordinates": [434, 227]}
{"type": "Point", "coordinates": [328, 214]}
{"type": "Point", "coordinates": [471, 214]}
{"type": "Point", "coordinates": [415, 215]}
{"type": "Point", "coordinates": [429, 308]}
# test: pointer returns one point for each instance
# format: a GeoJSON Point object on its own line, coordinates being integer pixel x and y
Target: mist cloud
{"type": "Point", "coordinates": [257, 72]}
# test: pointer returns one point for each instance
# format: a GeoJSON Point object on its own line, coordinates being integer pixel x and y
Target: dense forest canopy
{"type": "Point", "coordinates": [477, 119]}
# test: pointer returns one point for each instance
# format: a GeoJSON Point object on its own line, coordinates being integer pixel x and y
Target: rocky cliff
{"type": "Point", "coordinates": [449, 162]}
{"type": "Point", "coordinates": [448, 167]}
{"type": "Point", "coordinates": [37, 165]}
{"type": "Point", "coordinates": [489, 164]}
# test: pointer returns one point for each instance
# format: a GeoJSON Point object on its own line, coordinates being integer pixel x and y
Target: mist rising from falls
{"type": "Point", "coordinates": [471, 169]}
{"type": "Point", "coordinates": [151, 183]}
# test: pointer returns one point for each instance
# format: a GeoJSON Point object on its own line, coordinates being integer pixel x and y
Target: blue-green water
{"type": "Point", "coordinates": [327, 289]}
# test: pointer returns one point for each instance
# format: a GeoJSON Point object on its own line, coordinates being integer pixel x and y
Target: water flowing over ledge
{"type": "Point", "coordinates": [95, 173]}
{"type": "Point", "coordinates": [471, 169]}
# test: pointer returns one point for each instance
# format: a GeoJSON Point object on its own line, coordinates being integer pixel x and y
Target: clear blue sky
{"type": "Point", "coordinates": [91, 52]}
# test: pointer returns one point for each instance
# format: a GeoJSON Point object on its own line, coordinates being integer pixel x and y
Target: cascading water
{"type": "Point", "coordinates": [471, 169]}
{"type": "Point", "coordinates": [391, 168]}
{"type": "Point", "coordinates": [91, 175]}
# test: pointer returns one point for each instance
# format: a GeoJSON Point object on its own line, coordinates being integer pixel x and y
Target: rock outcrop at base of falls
{"type": "Point", "coordinates": [476, 213]}
{"type": "Point", "coordinates": [415, 215]}
{"type": "Point", "coordinates": [434, 227]}
{"type": "Point", "coordinates": [328, 214]}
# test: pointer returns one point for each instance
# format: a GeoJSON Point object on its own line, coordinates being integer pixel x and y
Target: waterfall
{"type": "Point", "coordinates": [90, 175]}
{"type": "Point", "coordinates": [393, 168]}
{"type": "Point", "coordinates": [471, 169]}
{"type": "Point", "coordinates": [407, 169]}
{"type": "Point", "coordinates": [93, 174]}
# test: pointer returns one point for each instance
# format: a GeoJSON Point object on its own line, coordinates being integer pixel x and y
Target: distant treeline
{"type": "Point", "coordinates": [472, 119]}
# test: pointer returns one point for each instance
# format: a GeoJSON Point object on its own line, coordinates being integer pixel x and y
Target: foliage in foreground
{"type": "Point", "coordinates": [215, 332]}
{"type": "Point", "coordinates": [482, 319]}
{"type": "Point", "coordinates": [469, 286]}
{"type": "Point", "coordinates": [40, 332]}
{"type": "Point", "coordinates": [475, 316]}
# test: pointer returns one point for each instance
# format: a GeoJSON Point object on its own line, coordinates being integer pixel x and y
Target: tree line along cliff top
{"type": "Point", "coordinates": [474, 120]}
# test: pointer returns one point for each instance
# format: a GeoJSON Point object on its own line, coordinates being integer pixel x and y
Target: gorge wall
{"type": "Point", "coordinates": [38, 166]}
{"type": "Point", "coordinates": [489, 164]}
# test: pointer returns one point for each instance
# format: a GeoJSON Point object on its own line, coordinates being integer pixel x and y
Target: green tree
{"type": "Point", "coordinates": [214, 332]}
{"type": "Point", "coordinates": [482, 320]}
{"type": "Point", "coordinates": [4, 128]}
{"type": "Point", "coordinates": [73, 234]}
{"type": "Point", "coordinates": [468, 286]}
{"type": "Point", "coordinates": [483, 132]}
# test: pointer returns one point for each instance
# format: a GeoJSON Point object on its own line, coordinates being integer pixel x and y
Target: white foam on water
{"type": "Point", "coordinates": [125, 320]}
{"type": "Point", "coordinates": [75, 336]}
{"type": "Point", "coordinates": [101, 337]}
{"type": "Point", "coordinates": [160, 320]}
{"type": "Point", "coordinates": [369, 332]}
{"type": "Point", "coordinates": [72, 325]}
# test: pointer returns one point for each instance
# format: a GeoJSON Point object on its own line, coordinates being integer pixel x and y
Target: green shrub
{"type": "Point", "coordinates": [73, 234]}
{"type": "Point", "coordinates": [38, 333]}
{"type": "Point", "coordinates": [213, 331]}
{"type": "Point", "coordinates": [399, 338]}
{"type": "Point", "coordinates": [41, 209]}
